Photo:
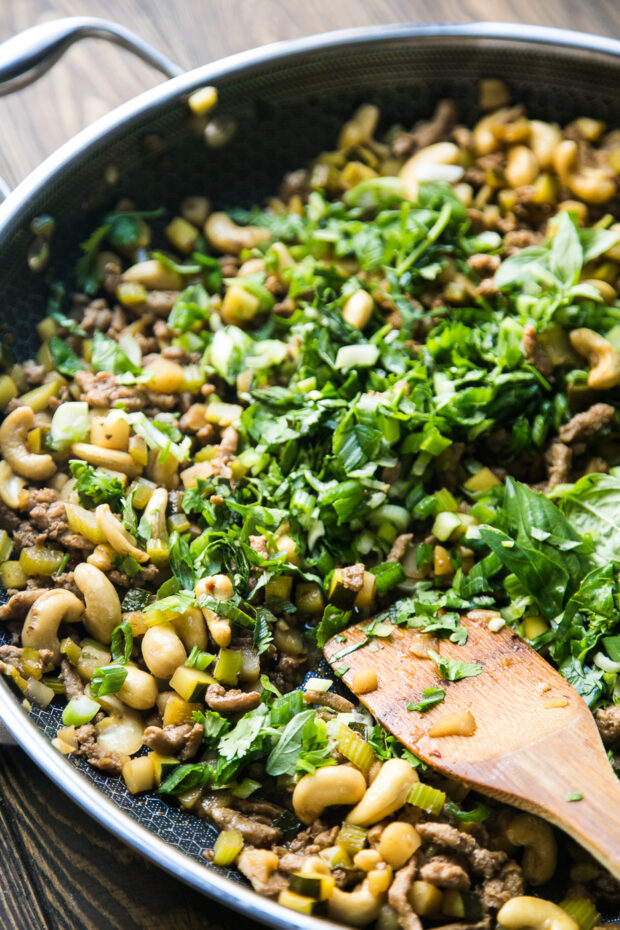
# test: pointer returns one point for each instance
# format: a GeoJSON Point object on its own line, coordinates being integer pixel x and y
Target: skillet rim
{"type": "Point", "coordinates": [18, 205]}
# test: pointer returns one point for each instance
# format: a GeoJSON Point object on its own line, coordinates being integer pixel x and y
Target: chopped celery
{"type": "Point", "coordinates": [354, 748]}
{"type": "Point", "coordinates": [351, 837]}
{"type": "Point", "coordinates": [70, 423]}
{"type": "Point", "coordinates": [227, 847]}
{"type": "Point", "coordinates": [79, 711]}
{"type": "Point", "coordinates": [583, 912]}
{"type": "Point", "coordinates": [428, 799]}
{"type": "Point", "coordinates": [228, 666]}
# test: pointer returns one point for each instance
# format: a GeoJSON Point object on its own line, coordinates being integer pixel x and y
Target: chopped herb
{"type": "Point", "coordinates": [65, 359]}
{"type": "Point", "coordinates": [122, 642]}
{"type": "Point", "coordinates": [574, 796]}
{"type": "Point", "coordinates": [453, 670]}
{"type": "Point", "coordinates": [96, 486]}
{"type": "Point", "coordinates": [476, 815]}
{"type": "Point", "coordinates": [430, 697]}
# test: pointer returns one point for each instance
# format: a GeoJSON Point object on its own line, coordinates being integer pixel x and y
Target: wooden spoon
{"type": "Point", "coordinates": [535, 742]}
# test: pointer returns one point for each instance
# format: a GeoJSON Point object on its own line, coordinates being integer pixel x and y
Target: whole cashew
{"type": "Point", "coordinates": [602, 357]}
{"type": "Point", "coordinates": [153, 275]}
{"type": "Point", "coordinates": [116, 534]}
{"type": "Point", "coordinates": [540, 855]}
{"type": "Point", "coordinates": [220, 587]}
{"type": "Point", "coordinates": [534, 914]}
{"type": "Point", "coordinates": [40, 630]}
{"type": "Point", "coordinates": [225, 236]}
{"type": "Point", "coordinates": [103, 608]}
{"type": "Point", "coordinates": [14, 450]}
{"type": "Point", "coordinates": [106, 458]}
{"type": "Point", "coordinates": [191, 628]}
{"type": "Point", "coordinates": [593, 184]}
{"type": "Point", "coordinates": [414, 170]}
{"type": "Point", "coordinates": [333, 784]}
{"type": "Point", "coordinates": [162, 650]}
{"type": "Point", "coordinates": [139, 689]}
{"type": "Point", "coordinates": [544, 139]}
{"type": "Point", "coordinates": [355, 908]}
{"type": "Point", "coordinates": [12, 488]}
{"type": "Point", "coordinates": [387, 793]}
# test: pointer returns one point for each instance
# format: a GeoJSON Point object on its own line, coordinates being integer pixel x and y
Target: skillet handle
{"type": "Point", "coordinates": [28, 55]}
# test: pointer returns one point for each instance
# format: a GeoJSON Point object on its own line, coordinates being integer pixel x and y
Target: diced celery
{"type": "Point", "coordinates": [583, 911]}
{"type": "Point", "coordinates": [79, 711]}
{"type": "Point", "coordinates": [445, 524]}
{"type": "Point", "coordinates": [227, 847]}
{"type": "Point", "coordinates": [38, 560]}
{"type": "Point", "coordinates": [70, 423]}
{"type": "Point", "coordinates": [351, 837]}
{"type": "Point", "coordinates": [71, 650]}
{"type": "Point", "coordinates": [8, 390]}
{"type": "Point", "coordinates": [427, 798]}
{"type": "Point", "coordinates": [12, 575]}
{"type": "Point", "coordinates": [6, 546]}
{"type": "Point", "coordinates": [228, 666]}
{"type": "Point", "coordinates": [483, 480]}
{"type": "Point", "coordinates": [351, 745]}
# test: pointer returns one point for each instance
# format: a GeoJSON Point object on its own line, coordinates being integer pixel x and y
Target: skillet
{"type": "Point", "coordinates": [288, 101]}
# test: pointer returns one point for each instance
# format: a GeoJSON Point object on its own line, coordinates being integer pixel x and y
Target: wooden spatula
{"type": "Point", "coordinates": [535, 745]}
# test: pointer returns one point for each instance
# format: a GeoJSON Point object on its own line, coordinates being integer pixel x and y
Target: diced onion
{"type": "Point", "coordinates": [121, 734]}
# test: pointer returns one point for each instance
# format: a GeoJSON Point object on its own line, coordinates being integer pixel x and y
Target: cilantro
{"type": "Point", "coordinates": [262, 636]}
{"type": "Point", "coordinates": [452, 670]}
{"type": "Point", "coordinates": [430, 697]}
{"type": "Point", "coordinates": [332, 622]}
{"type": "Point", "coordinates": [122, 642]}
{"type": "Point", "coordinates": [184, 777]}
{"type": "Point", "coordinates": [283, 758]}
{"type": "Point", "coordinates": [215, 726]}
{"type": "Point", "coordinates": [65, 359]}
{"type": "Point", "coordinates": [135, 599]}
{"type": "Point", "coordinates": [107, 355]}
{"type": "Point", "coordinates": [128, 565]}
{"type": "Point", "coordinates": [96, 486]}
{"type": "Point", "coordinates": [190, 307]}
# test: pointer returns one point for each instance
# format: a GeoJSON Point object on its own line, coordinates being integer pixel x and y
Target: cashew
{"type": "Point", "coordinates": [15, 451]}
{"type": "Point", "coordinates": [360, 128]}
{"type": "Point", "coordinates": [535, 914]}
{"type": "Point", "coordinates": [355, 908]}
{"type": "Point", "coordinates": [602, 357]}
{"type": "Point", "coordinates": [225, 236]}
{"type": "Point", "coordinates": [102, 557]}
{"type": "Point", "coordinates": [103, 608]}
{"type": "Point", "coordinates": [40, 630]}
{"type": "Point", "coordinates": [164, 473]}
{"type": "Point", "coordinates": [153, 275]}
{"type": "Point", "coordinates": [544, 140]}
{"type": "Point", "coordinates": [191, 628]}
{"type": "Point", "coordinates": [220, 587]}
{"type": "Point", "coordinates": [106, 458]}
{"type": "Point", "coordinates": [139, 689]}
{"type": "Point", "coordinates": [521, 166]}
{"type": "Point", "coordinates": [387, 793]}
{"type": "Point", "coordinates": [155, 514]}
{"type": "Point", "coordinates": [116, 534]}
{"type": "Point", "coordinates": [594, 184]}
{"type": "Point", "coordinates": [420, 166]}
{"type": "Point", "coordinates": [398, 843]}
{"type": "Point", "coordinates": [162, 650]}
{"type": "Point", "coordinates": [12, 488]}
{"type": "Point", "coordinates": [333, 784]}
{"type": "Point", "coordinates": [540, 855]}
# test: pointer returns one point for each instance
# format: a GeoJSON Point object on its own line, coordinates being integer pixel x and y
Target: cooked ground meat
{"type": "Point", "coordinates": [103, 390]}
{"type": "Point", "coordinates": [445, 873]}
{"type": "Point", "coordinates": [398, 896]}
{"type": "Point", "coordinates": [314, 838]}
{"type": "Point", "coordinates": [483, 924]}
{"type": "Point", "coordinates": [259, 544]}
{"type": "Point", "coordinates": [232, 701]}
{"type": "Point", "coordinates": [160, 303]}
{"type": "Point", "coordinates": [596, 465]}
{"type": "Point", "coordinates": [584, 425]}
{"type": "Point", "coordinates": [286, 673]}
{"type": "Point", "coordinates": [9, 519]}
{"type": "Point", "coordinates": [74, 686]}
{"type": "Point", "coordinates": [608, 723]}
{"type": "Point", "coordinates": [353, 576]}
{"type": "Point", "coordinates": [558, 459]}
{"type": "Point", "coordinates": [258, 834]}
{"type": "Point", "coordinates": [48, 514]}
{"type": "Point", "coordinates": [534, 353]}
{"type": "Point", "coordinates": [426, 132]}
{"type": "Point", "coordinates": [399, 547]}
{"type": "Point", "coordinates": [142, 579]}
{"type": "Point", "coordinates": [258, 808]}
{"type": "Point", "coordinates": [484, 264]}
{"type": "Point", "coordinates": [329, 699]}
{"type": "Point", "coordinates": [96, 755]}
{"type": "Point", "coordinates": [19, 604]}
{"type": "Point", "coordinates": [225, 452]}
{"type": "Point", "coordinates": [508, 884]}
{"type": "Point", "coordinates": [482, 861]}
{"type": "Point", "coordinates": [260, 871]}
{"type": "Point", "coordinates": [183, 740]}
{"type": "Point", "coordinates": [290, 862]}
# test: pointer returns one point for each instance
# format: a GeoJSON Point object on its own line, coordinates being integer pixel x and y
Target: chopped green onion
{"type": "Point", "coordinates": [79, 711]}
{"type": "Point", "coordinates": [122, 642]}
{"type": "Point", "coordinates": [430, 697]}
{"type": "Point", "coordinates": [199, 659]}
{"type": "Point", "coordinates": [108, 679]}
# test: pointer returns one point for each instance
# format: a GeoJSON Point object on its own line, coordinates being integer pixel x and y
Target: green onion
{"type": "Point", "coordinates": [351, 837]}
{"type": "Point", "coordinates": [199, 659]}
{"type": "Point", "coordinates": [354, 748]}
{"type": "Point", "coordinates": [79, 711]}
{"type": "Point", "coordinates": [582, 911]}
{"type": "Point", "coordinates": [428, 799]}
{"type": "Point", "coordinates": [227, 847]}
{"type": "Point", "coordinates": [55, 684]}
{"type": "Point", "coordinates": [70, 423]}
{"type": "Point", "coordinates": [108, 679]}
{"type": "Point", "coordinates": [245, 788]}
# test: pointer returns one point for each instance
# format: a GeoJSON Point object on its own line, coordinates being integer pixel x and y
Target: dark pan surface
{"type": "Point", "coordinates": [289, 102]}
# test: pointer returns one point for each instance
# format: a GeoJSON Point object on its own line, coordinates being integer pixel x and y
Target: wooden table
{"type": "Point", "coordinates": [60, 871]}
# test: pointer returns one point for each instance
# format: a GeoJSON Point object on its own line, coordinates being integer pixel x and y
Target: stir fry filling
{"type": "Point", "coordinates": [395, 383]}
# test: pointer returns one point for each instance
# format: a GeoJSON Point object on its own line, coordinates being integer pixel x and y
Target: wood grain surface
{"type": "Point", "coordinates": [60, 871]}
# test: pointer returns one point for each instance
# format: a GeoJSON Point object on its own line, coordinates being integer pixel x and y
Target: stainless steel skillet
{"type": "Point", "coordinates": [288, 101]}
